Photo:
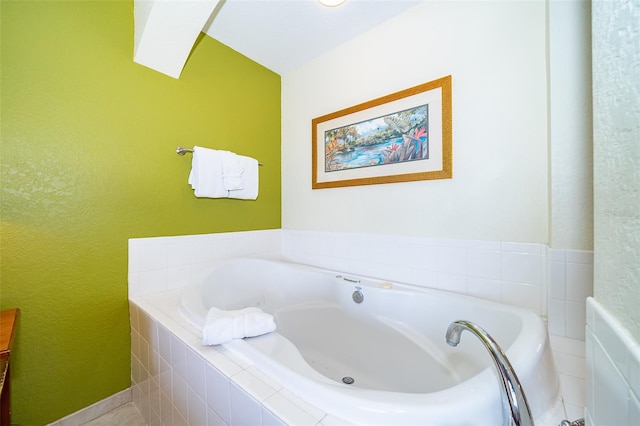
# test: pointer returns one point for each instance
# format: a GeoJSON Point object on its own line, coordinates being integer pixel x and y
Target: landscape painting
{"type": "Point", "coordinates": [402, 137]}
{"type": "Point", "coordinates": [394, 138]}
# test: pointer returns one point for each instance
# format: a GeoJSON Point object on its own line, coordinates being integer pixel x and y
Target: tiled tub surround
{"type": "Point", "coordinates": [614, 365]}
{"type": "Point", "coordinates": [177, 381]}
{"type": "Point", "coordinates": [549, 282]}
{"type": "Point", "coordinates": [165, 263]}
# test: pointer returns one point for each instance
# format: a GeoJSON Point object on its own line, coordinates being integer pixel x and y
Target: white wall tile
{"type": "Point", "coordinates": [610, 395]}
{"type": "Point", "coordinates": [178, 357]}
{"type": "Point", "coordinates": [287, 412]}
{"type": "Point", "coordinates": [166, 409]}
{"type": "Point", "coordinates": [164, 378]}
{"type": "Point", "coordinates": [135, 370]}
{"type": "Point", "coordinates": [164, 343]}
{"type": "Point", "coordinates": [181, 252]}
{"type": "Point", "coordinates": [180, 394]}
{"type": "Point", "coordinates": [557, 280]}
{"type": "Point", "coordinates": [153, 281]}
{"type": "Point", "coordinates": [522, 295]}
{"type": "Point", "coordinates": [574, 412]}
{"type": "Point", "coordinates": [556, 316]}
{"type": "Point", "coordinates": [150, 332]}
{"type": "Point", "coordinates": [267, 380]}
{"type": "Point", "coordinates": [178, 277]}
{"type": "Point", "coordinates": [196, 374]}
{"type": "Point", "coordinates": [253, 385]}
{"type": "Point", "coordinates": [389, 272]}
{"type": "Point", "coordinates": [490, 289]}
{"type": "Point", "coordinates": [452, 260]}
{"type": "Point", "coordinates": [579, 282]}
{"type": "Point", "coordinates": [158, 264]}
{"type": "Point", "coordinates": [144, 400]}
{"type": "Point", "coordinates": [133, 315]}
{"type": "Point", "coordinates": [398, 251]}
{"type": "Point", "coordinates": [567, 346]}
{"type": "Point", "coordinates": [245, 411]}
{"type": "Point", "coordinates": [197, 409]}
{"type": "Point", "coordinates": [575, 320]}
{"type": "Point", "coordinates": [573, 389]}
{"type": "Point", "coordinates": [226, 364]}
{"type": "Point", "coordinates": [311, 410]}
{"type": "Point", "coordinates": [135, 344]}
{"type": "Point", "coordinates": [521, 267]}
{"type": "Point", "coordinates": [555, 255]}
{"type": "Point", "coordinates": [612, 369]}
{"type": "Point", "coordinates": [178, 418]}
{"type": "Point", "coordinates": [452, 282]}
{"type": "Point", "coordinates": [532, 248]}
{"type": "Point", "coordinates": [133, 278]}
{"type": "Point", "coordinates": [143, 324]}
{"type": "Point", "coordinates": [144, 358]}
{"type": "Point", "coordinates": [152, 255]}
{"type": "Point", "coordinates": [570, 365]}
{"type": "Point", "coordinates": [424, 278]}
{"type": "Point", "coordinates": [579, 256]}
{"type": "Point", "coordinates": [607, 337]}
{"type": "Point", "coordinates": [213, 419]}
{"type": "Point", "coordinates": [154, 363]}
{"type": "Point", "coordinates": [270, 419]}
{"type": "Point", "coordinates": [204, 250]}
{"type": "Point", "coordinates": [218, 396]}
{"type": "Point", "coordinates": [154, 402]}
{"type": "Point", "coordinates": [365, 249]}
{"type": "Point", "coordinates": [484, 263]}
{"type": "Point", "coordinates": [424, 254]}
{"type": "Point", "coordinates": [589, 372]}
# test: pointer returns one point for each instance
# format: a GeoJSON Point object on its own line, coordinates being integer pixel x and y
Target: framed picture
{"type": "Point", "coordinates": [402, 137]}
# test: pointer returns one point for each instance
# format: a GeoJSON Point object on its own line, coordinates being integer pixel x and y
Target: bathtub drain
{"type": "Point", "coordinates": [348, 380]}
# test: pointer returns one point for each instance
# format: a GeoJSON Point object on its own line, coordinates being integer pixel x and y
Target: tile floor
{"type": "Point", "coordinates": [125, 415]}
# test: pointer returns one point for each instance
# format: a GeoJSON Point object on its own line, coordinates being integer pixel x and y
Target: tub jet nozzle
{"type": "Point", "coordinates": [357, 295]}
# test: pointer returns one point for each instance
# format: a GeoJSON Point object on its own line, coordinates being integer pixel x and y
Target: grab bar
{"type": "Point", "coordinates": [515, 408]}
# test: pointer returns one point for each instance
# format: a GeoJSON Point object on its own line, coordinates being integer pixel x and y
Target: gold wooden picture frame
{"type": "Point", "coordinates": [402, 137]}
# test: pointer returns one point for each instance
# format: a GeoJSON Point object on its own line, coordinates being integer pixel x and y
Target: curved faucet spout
{"type": "Point", "coordinates": [515, 408]}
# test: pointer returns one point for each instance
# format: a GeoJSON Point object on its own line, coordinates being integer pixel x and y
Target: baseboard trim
{"type": "Point", "coordinates": [94, 411]}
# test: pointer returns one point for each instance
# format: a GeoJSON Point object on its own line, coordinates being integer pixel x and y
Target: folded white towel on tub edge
{"type": "Point", "coordinates": [223, 326]}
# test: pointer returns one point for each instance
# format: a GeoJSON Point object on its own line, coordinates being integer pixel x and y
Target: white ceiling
{"type": "Point", "coordinates": [282, 34]}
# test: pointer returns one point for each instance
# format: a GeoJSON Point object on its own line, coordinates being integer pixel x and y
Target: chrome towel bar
{"type": "Point", "coordinates": [181, 150]}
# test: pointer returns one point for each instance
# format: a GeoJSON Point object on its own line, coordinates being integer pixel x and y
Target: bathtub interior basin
{"type": "Point", "coordinates": [384, 360]}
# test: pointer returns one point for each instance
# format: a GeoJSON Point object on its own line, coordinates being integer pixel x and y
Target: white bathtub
{"type": "Point", "coordinates": [392, 344]}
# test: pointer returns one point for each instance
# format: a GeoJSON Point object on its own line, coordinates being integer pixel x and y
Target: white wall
{"type": "Point", "coordinates": [616, 94]}
{"type": "Point", "coordinates": [496, 53]}
{"type": "Point", "coordinates": [613, 320]}
{"type": "Point", "coordinates": [570, 125]}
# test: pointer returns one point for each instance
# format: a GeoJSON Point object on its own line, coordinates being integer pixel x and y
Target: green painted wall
{"type": "Point", "coordinates": [88, 161]}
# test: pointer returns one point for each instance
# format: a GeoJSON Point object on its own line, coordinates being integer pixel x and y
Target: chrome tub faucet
{"type": "Point", "coordinates": [515, 408]}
